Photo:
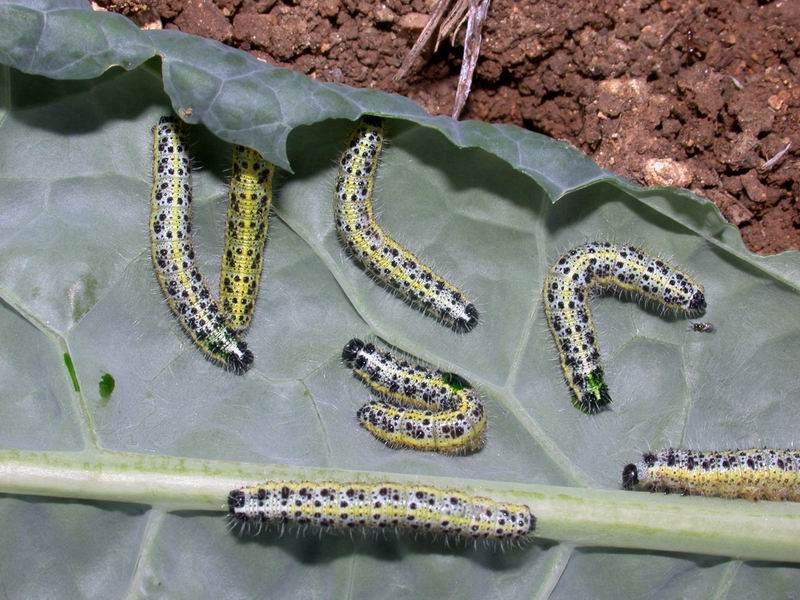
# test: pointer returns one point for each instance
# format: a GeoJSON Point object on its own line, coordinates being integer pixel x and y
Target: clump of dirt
{"type": "Point", "coordinates": [703, 95]}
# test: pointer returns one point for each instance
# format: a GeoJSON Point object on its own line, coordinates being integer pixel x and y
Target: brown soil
{"type": "Point", "coordinates": [698, 94]}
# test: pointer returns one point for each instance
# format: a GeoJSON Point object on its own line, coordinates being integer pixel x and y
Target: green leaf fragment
{"type": "Point", "coordinates": [106, 387]}
{"type": "Point", "coordinates": [71, 370]}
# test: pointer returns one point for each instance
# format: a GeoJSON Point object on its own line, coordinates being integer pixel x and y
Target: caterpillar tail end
{"type": "Point", "coordinates": [595, 397]}
{"type": "Point", "coordinates": [630, 477]}
{"type": "Point", "coordinates": [467, 323]}
{"type": "Point", "coordinates": [698, 302]}
{"type": "Point", "coordinates": [239, 364]}
{"type": "Point", "coordinates": [456, 382]}
{"type": "Point", "coordinates": [350, 352]}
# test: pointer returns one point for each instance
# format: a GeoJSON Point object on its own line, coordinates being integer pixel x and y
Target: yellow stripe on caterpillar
{"type": "Point", "coordinates": [384, 258]}
{"type": "Point", "coordinates": [753, 474]}
{"type": "Point", "coordinates": [426, 410]}
{"type": "Point", "coordinates": [246, 227]}
{"type": "Point", "coordinates": [333, 505]}
{"type": "Point", "coordinates": [172, 251]}
{"type": "Point", "coordinates": [567, 289]}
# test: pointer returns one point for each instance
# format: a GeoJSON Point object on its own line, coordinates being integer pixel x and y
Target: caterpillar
{"type": "Point", "coordinates": [173, 254]}
{"type": "Point", "coordinates": [332, 505]}
{"type": "Point", "coordinates": [386, 260]}
{"type": "Point", "coordinates": [429, 410]}
{"type": "Point", "coordinates": [566, 293]}
{"type": "Point", "coordinates": [249, 200]}
{"type": "Point", "coordinates": [753, 474]}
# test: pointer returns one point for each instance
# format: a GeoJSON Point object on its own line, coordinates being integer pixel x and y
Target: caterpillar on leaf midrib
{"type": "Point", "coordinates": [424, 409]}
{"type": "Point", "coordinates": [567, 289]}
{"type": "Point", "coordinates": [173, 254]}
{"type": "Point", "coordinates": [753, 474]}
{"type": "Point", "coordinates": [385, 505]}
{"type": "Point", "coordinates": [385, 259]}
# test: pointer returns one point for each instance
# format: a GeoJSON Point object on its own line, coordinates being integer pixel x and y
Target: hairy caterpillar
{"type": "Point", "coordinates": [389, 262]}
{"type": "Point", "coordinates": [249, 199]}
{"type": "Point", "coordinates": [567, 288]}
{"type": "Point", "coordinates": [173, 254]}
{"type": "Point", "coordinates": [754, 474]}
{"type": "Point", "coordinates": [442, 413]}
{"type": "Point", "coordinates": [379, 506]}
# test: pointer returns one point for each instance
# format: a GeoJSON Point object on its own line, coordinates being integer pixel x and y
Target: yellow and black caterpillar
{"type": "Point", "coordinates": [426, 409]}
{"type": "Point", "coordinates": [249, 200]}
{"type": "Point", "coordinates": [386, 505]}
{"type": "Point", "coordinates": [385, 259]}
{"type": "Point", "coordinates": [568, 287]}
{"type": "Point", "coordinates": [173, 253]}
{"type": "Point", "coordinates": [753, 474]}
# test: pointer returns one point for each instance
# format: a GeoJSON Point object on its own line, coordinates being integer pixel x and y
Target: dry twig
{"type": "Point", "coordinates": [416, 49]}
{"type": "Point", "coordinates": [472, 49]}
{"type": "Point", "coordinates": [775, 159]}
{"type": "Point", "coordinates": [474, 11]}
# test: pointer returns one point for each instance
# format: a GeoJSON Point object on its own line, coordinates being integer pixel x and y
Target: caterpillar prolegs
{"type": "Point", "coordinates": [427, 409]}
{"type": "Point", "coordinates": [385, 259]}
{"type": "Point", "coordinates": [754, 474]}
{"type": "Point", "coordinates": [249, 200]}
{"type": "Point", "coordinates": [331, 505]}
{"type": "Point", "coordinates": [173, 254]}
{"type": "Point", "coordinates": [567, 289]}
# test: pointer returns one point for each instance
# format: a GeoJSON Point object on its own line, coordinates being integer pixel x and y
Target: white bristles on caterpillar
{"type": "Point", "coordinates": [426, 409]}
{"type": "Point", "coordinates": [246, 226]}
{"type": "Point", "coordinates": [601, 265]}
{"type": "Point", "coordinates": [172, 251]}
{"type": "Point", "coordinates": [753, 474]}
{"type": "Point", "coordinates": [384, 258]}
{"type": "Point", "coordinates": [386, 505]}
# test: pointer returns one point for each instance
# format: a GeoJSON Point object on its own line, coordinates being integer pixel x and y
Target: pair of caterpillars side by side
{"type": "Point", "coordinates": [753, 474]}
{"type": "Point", "coordinates": [603, 265]}
{"type": "Point", "coordinates": [376, 506]}
{"type": "Point", "coordinates": [213, 329]}
{"type": "Point", "coordinates": [386, 260]}
{"type": "Point", "coordinates": [420, 408]}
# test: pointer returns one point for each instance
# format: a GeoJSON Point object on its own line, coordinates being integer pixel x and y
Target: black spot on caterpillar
{"type": "Point", "coordinates": [332, 505]}
{"type": "Point", "coordinates": [754, 474]}
{"type": "Point", "coordinates": [385, 259]}
{"type": "Point", "coordinates": [567, 289]}
{"type": "Point", "coordinates": [249, 200]}
{"type": "Point", "coordinates": [173, 254]}
{"type": "Point", "coordinates": [427, 409]}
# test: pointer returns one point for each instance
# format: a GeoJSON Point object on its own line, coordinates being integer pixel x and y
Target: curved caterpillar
{"type": "Point", "coordinates": [444, 413]}
{"type": "Point", "coordinates": [566, 293]}
{"type": "Point", "coordinates": [249, 200]}
{"type": "Point", "coordinates": [331, 505]}
{"type": "Point", "coordinates": [754, 474]}
{"type": "Point", "coordinates": [173, 254]}
{"type": "Point", "coordinates": [385, 259]}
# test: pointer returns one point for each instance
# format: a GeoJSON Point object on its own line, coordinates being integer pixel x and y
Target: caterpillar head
{"type": "Point", "coordinates": [467, 322]}
{"type": "Point", "coordinates": [350, 352]}
{"type": "Point", "coordinates": [630, 476]}
{"type": "Point", "coordinates": [240, 359]}
{"type": "Point", "coordinates": [236, 500]}
{"type": "Point", "coordinates": [698, 301]}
